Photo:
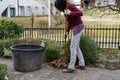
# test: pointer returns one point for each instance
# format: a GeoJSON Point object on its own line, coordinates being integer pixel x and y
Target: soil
{"type": "Point", "coordinates": [109, 60]}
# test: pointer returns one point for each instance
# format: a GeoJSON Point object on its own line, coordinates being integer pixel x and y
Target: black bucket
{"type": "Point", "coordinates": [27, 57]}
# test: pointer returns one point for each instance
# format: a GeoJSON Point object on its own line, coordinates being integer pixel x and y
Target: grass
{"type": "Point", "coordinates": [39, 21]}
{"type": "Point", "coordinates": [102, 13]}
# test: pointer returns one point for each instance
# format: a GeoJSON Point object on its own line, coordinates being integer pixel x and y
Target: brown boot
{"type": "Point", "coordinates": [80, 67]}
{"type": "Point", "coordinates": [67, 70]}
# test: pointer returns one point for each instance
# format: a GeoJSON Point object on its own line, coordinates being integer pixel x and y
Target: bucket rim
{"type": "Point", "coordinates": [13, 47]}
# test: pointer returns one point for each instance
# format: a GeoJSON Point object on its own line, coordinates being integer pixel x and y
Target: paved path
{"type": "Point", "coordinates": [49, 73]}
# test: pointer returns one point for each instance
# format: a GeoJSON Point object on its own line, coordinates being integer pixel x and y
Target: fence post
{"type": "Point", "coordinates": [119, 37]}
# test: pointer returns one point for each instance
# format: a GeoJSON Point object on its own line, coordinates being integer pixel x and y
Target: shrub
{"type": "Point", "coordinates": [3, 71]}
{"type": "Point", "coordinates": [5, 46]}
{"type": "Point", "coordinates": [1, 47]}
{"type": "Point", "coordinates": [88, 47]}
{"type": "Point", "coordinates": [52, 51]}
{"type": "Point", "coordinates": [10, 29]}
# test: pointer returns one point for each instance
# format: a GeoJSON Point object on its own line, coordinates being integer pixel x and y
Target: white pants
{"type": "Point", "coordinates": [76, 51]}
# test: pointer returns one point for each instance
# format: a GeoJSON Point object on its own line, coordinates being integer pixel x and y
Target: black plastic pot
{"type": "Point", "coordinates": [27, 57]}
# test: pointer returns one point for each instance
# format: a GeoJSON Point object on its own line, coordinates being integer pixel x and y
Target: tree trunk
{"type": "Point", "coordinates": [118, 3]}
{"type": "Point", "coordinates": [82, 3]}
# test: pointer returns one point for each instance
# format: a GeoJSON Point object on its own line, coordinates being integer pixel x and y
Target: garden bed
{"type": "Point", "coordinates": [108, 59]}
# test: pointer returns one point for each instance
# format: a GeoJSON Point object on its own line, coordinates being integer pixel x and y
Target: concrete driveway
{"type": "Point", "coordinates": [49, 73]}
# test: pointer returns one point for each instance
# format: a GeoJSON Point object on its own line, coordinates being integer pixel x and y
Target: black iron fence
{"type": "Point", "coordinates": [106, 36]}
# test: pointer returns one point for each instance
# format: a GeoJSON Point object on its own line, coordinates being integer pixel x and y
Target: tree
{"type": "Point", "coordinates": [91, 3]}
{"type": "Point", "coordinates": [106, 9]}
{"type": "Point", "coordinates": [118, 3]}
{"type": "Point", "coordinates": [115, 7]}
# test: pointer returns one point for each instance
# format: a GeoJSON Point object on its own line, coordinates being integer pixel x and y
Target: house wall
{"type": "Point", "coordinates": [32, 6]}
{"type": "Point", "coordinates": [13, 4]}
{"type": "Point", "coordinates": [26, 7]}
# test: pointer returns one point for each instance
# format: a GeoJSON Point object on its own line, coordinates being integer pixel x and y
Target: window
{"type": "Point", "coordinates": [43, 10]}
{"type": "Point", "coordinates": [29, 11]}
{"type": "Point", "coordinates": [22, 11]}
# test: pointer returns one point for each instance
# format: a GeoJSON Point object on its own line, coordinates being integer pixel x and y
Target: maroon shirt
{"type": "Point", "coordinates": [74, 19]}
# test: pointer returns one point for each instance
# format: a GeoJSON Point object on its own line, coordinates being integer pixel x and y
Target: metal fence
{"type": "Point", "coordinates": [106, 36]}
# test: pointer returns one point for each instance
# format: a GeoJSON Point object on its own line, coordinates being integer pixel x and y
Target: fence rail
{"type": "Point", "coordinates": [106, 36]}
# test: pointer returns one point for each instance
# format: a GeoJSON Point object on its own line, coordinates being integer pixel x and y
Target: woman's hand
{"type": "Point", "coordinates": [67, 12]}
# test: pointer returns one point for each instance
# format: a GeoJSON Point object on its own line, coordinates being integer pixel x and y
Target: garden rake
{"type": "Point", "coordinates": [65, 28]}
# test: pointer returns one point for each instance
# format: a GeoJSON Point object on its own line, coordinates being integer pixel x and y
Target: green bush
{"type": "Point", "coordinates": [5, 46]}
{"type": "Point", "coordinates": [3, 71]}
{"type": "Point", "coordinates": [52, 51]}
{"type": "Point", "coordinates": [88, 47]}
{"type": "Point", "coordinates": [10, 29]}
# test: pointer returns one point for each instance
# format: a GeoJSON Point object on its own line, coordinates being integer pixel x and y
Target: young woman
{"type": "Point", "coordinates": [73, 15]}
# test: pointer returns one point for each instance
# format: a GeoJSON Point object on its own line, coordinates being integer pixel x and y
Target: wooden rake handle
{"type": "Point", "coordinates": [65, 27]}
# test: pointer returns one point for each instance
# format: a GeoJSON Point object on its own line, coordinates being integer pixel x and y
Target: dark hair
{"type": "Point", "coordinates": [60, 5]}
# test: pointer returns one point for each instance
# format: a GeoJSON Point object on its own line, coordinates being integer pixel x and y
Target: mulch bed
{"type": "Point", "coordinates": [111, 61]}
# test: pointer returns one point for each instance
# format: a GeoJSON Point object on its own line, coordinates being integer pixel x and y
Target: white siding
{"type": "Point", "coordinates": [26, 7]}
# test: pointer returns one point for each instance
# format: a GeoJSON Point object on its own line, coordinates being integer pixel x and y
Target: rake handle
{"type": "Point", "coordinates": [65, 27]}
